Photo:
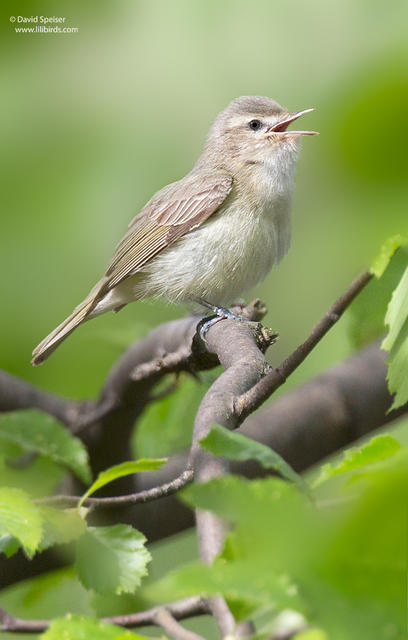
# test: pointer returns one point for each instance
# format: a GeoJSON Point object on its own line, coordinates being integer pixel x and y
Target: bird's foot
{"type": "Point", "coordinates": [220, 313]}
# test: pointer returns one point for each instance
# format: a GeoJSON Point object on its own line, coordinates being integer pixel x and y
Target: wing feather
{"type": "Point", "coordinates": [171, 213]}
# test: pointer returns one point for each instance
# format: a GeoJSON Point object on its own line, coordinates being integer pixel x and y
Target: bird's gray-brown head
{"type": "Point", "coordinates": [254, 129]}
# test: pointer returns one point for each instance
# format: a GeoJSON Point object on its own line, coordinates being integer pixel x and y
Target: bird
{"type": "Point", "coordinates": [214, 234]}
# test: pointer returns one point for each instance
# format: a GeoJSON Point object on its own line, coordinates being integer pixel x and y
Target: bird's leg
{"type": "Point", "coordinates": [220, 313]}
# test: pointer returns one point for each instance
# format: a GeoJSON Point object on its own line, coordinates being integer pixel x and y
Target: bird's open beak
{"type": "Point", "coordinates": [282, 125]}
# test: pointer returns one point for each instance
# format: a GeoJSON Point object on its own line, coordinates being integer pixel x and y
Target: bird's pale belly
{"type": "Point", "coordinates": [220, 260]}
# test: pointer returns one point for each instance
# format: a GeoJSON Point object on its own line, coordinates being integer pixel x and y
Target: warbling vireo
{"type": "Point", "coordinates": [214, 234]}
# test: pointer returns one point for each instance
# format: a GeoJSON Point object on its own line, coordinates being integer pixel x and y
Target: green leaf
{"type": "Point", "coordinates": [112, 559]}
{"type": "Point", "coordinates": [236, 581]}
{"type": "Point", "coordinates": [397, 376]}
{"type": "Point", "coordinates": [235, 446]}
{"type": "Point", "coordinates": [60, 527]}
{"type": "Point", "coordinates": [248, 570]}
{"type": "Point", "coordinates": [39, 478]}
{"type": "Point", "coordinates": [343, 567]}
{"type": "Point", "coordinates": [365, 317]}
{"type": "Point", "coordinates": [49, 595]}
{"type": "Point", "coordinates": [397, 312]}
{"type": "Point", "coordinates": [36, 431]}
{"type": "Point", "coordinates": [378, 448]}
{"type": "Point", "coordinates": [20, 519]}
{"type": "Point", "coordinates": [387, 250]}
{"type": "Point", "coordinates": [123, 469]}
{"type": "Point", "coordinates": [396, 342]}
{"type": "Point", "coordinates": [82, 628]}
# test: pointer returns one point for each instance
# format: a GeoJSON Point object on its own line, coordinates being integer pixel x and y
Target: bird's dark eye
{"type": "Point", "coordinates": [255, 125]}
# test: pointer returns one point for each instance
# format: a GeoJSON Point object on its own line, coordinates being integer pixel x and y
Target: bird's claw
{"type": "Point", "coordinates": [220, 313]}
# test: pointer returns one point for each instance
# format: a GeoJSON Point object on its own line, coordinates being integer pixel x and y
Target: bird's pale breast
{"type": "Point", "coordinates": [222, 259]}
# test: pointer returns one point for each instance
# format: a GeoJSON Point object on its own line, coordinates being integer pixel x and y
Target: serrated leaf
{"type": "Point", "coordinates": [397, 312]}
{"type": "Point", "coordinates": [123, 469]}
{"type": "Point", "coordinates": [60, 526]}
{"type": "Point", "coordinates": [377, 449]}
{"type": "Point", "coordinates": [112, 559]}
{"type": "Point", "coordinates": [386, 252]}
{"type": "Point", "coordinates": [20, 519]}
{"type": "Point", "coordinates": [396, 342]}
{"type": "Point", "coordinates": [235, 446]}
{"type": "Point", "coordinates": [397, 376]}
{"type": "Point", "coordinates": [83, 628]}
{"type": "Point", "coordinates": [366, 315]}
{"type": "Point", "coordinates": [36, 431]}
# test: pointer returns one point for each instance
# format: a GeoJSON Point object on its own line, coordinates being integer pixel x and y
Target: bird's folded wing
{"type": "Point", "coordinates": [172, 212]}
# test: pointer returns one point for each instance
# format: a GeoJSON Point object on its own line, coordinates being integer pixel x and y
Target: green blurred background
{"type": "Point", "coordinates": [94, 123]}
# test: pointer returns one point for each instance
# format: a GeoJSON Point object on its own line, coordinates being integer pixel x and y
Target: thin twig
{"type": "Point", "coordinates": [180, 360]}
{"type": "Point", "coordinates": [180, 610]}
{"type": "Point", "coordinates": [148, 495]}
{"type": "Point", "coordinates": [251, 400]}
{"type": "Point", "coordinates": [288, 634]}
{"type": "Point", "coordinates": [164, 619]}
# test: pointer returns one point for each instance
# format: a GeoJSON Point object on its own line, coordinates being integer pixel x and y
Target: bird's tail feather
{"type": "Point", "coordinates": [54, 339]}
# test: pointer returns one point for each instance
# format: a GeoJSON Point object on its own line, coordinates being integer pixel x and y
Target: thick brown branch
{"type": "Point", "coordinates": [18, 394]}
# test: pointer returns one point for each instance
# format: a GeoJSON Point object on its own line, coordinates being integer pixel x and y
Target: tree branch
{"type": "Point", "coordinates": [246, 382]}
{"type": "Point", "coordinates": [244, 364]}
{"type": "Point", "coordinates": [244, 385]}
{"type": "Point", "coordinates": [304, 426]}
{"type": "Point", "coordinates": [164, 619]}
{"type": "Point", "coordinates": [18, 394]}
{"type": "Point", "coordinates": [154, 493]}
{"type": "Point", "coordinates": [180, 610]}
{"type": "Point", "coordinates": [252, 399]}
